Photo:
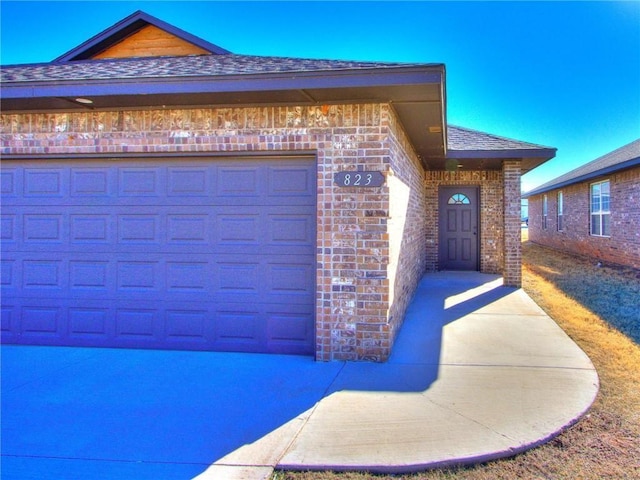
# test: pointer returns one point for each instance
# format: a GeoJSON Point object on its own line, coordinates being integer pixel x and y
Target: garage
{"type": "Point", "coordinates": [195, 253]}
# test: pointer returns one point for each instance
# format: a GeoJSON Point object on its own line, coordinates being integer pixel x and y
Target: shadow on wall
{"type": "Point", "coordinates": [109, 413]}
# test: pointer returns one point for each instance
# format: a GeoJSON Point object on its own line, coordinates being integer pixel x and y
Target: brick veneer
{"type": "Point", "coordinates": [622, 247]}
{"type": "Point", "coordinates": [491, 214]}
{"type": "Point", "coordinates": [512, 270]}
{"type": "Point", "coordinates": [370, 243]}
{"type": "Point", "coordinates": [500, 250]}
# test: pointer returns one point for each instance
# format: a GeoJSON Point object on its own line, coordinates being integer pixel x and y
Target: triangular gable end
{"type": "Point", "coordinates": [151, 41]}
{"type": "Point", "coordinates": [141, 35]}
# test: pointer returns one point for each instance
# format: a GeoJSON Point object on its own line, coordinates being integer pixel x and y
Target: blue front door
{"type": "Point", "coordinates": [205, 254]}
{"type": "Point", "coordinates": [458, 228]}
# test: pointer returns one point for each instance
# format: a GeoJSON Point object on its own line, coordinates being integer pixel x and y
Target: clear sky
{"type": "Point", "coordinates": [559, 74]}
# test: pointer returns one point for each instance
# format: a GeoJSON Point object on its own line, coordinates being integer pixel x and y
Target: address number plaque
{"type": "Point", "coordinates": [359, 179]}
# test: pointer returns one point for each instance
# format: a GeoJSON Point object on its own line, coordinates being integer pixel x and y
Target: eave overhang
{"type": "Point", "coordinates": [634, 162]}
{"type": "Point", "coordinates": [492, 159]}
{"type": "Point", "coordinates": [416, 93]}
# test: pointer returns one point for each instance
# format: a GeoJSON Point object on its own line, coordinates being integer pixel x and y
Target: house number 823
{"type": "Point", "coordinates": [359, 179]}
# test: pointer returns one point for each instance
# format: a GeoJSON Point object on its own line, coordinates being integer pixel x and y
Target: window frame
{"type": "Point", "coordinates": [598, 215]}
{"type": "Point", "coordinates": [545, 211]}
{"type": "Point", "coordinates": [560, 210]}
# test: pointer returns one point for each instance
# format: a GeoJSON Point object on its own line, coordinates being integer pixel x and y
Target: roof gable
{"type": "Point", "coordinates": [151, 41]}
{"type": "Point", "coordinates": [141, 35]}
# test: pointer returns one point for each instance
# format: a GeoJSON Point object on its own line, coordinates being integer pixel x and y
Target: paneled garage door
{"type": "Point", "coordinates": [202, 254]}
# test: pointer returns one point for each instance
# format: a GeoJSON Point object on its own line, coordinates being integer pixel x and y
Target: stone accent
{"type": "Point", "coordinates": [370, 244]}
{"type": "Point", "coordinates": [622, 247]}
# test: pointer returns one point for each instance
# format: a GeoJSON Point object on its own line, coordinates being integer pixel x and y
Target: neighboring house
{"type": "Point", "coordinates": [593, 210]}
{"type": "Point", "coordinates": [159, 191]}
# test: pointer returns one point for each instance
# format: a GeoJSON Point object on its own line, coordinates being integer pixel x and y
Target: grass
{"type": "Point", "coordinates": [594, 305]}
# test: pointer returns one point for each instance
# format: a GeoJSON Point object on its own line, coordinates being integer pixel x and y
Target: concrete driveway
{"type": "Point", "coordinates": [137, 414]}
{"type": "Point", "coordinates": [478, 372]}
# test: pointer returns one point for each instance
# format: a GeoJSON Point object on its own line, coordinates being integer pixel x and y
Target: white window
{"type": "Point", "coordinates": [544, 212]}
{"type": "Point", "coordinates": [560, 211]}
{"type": "Point", "coordinates": [600, 209]}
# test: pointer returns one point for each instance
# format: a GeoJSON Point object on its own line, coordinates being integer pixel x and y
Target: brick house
{"type": "Point", "coordinates": [159, 191]}
{"type": "Point", "coordinates": [593, 210]}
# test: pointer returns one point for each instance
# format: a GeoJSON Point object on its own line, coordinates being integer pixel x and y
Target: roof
{"type": "Point", "coordinates": [415, 90]}
{"type": "Point", "coordinates": [622, 158]}
{"type": "Point", "coordinates": [223, 79]}
{"type": "Point", "coordinates": [178, 67]}
{"type": "Point", "coordinates": [220, 78]}
{"type": "Point", "coordinates": [128, 26]}
{"type": "Point", "coordinates": [486, 150]}
{"type": "Point", "coordinates": [464, 142]}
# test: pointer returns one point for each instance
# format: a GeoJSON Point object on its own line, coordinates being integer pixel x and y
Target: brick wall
{"type": "Point", "coordinates": [491, 215]}
{"type": "Point", "coordinates": [407, 223]}
{"type": "Point", "coordinates": [367, 264]}
{"type": "Point", "coordinates": [622, 247]}
{"type": "Point", "coordinates": [512, 270]}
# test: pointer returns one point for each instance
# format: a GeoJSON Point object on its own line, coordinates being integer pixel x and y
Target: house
{"type": "Point", "coordinates": [159, 191]}
{"type": "Point", "coordinates": [593, 210]}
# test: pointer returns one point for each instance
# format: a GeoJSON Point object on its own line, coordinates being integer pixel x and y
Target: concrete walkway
{"type": "Point", "coordinates": [478, 372]}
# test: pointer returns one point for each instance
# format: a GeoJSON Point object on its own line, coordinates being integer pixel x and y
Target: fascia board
{"type": "Point", "coordinates": [512, 153]}
{"type": "Point", "coordinates": [235, 83]}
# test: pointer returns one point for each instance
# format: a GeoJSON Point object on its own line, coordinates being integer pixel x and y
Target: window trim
{"type": "Point", "coordinates": [600, 213]}
{"type": "Point", "coordinates": [545, 211]}
{"type": "Point", "coordinates": [560, 210]}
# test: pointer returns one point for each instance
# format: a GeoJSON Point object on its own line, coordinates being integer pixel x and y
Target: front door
{"type": "Point", "coordinates": [458, 228]}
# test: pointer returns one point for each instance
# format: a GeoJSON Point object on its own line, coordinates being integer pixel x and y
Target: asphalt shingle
{"type": "Point", "coordinates": [176, 67]}
{"type": "Point", "coordinates": [605, 163]}
{"type": "Point", "coordinates": [466, 139]}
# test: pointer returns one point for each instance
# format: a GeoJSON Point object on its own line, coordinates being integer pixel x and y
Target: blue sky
{"type": "Point", "coordinates": [560, 74]}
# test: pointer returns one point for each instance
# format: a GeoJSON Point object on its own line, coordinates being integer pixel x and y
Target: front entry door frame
{"type": "Point", "coordinates": [459, 228]}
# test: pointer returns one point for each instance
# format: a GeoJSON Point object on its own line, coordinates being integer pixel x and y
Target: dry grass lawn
{"type": "Point", "coordinates": [586, 300]}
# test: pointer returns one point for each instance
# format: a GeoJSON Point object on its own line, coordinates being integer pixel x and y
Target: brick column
{"type": "Point", "coordinates": [512, 242]}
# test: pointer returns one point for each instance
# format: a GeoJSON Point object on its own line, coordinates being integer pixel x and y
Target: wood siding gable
{"type": "Point", "coordinates": [151, 41]}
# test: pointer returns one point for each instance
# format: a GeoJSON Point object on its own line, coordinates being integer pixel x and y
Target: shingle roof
{"type": "Point", "coordinates": [175, 67]}
{"type": "Point", "coordinates": [621, 158]}
{"type": "Point", "coordinates": [465, 140]}
{"type": "Point", "coordinates": [224, 79]}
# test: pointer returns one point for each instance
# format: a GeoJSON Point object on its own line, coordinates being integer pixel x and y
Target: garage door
{"type": "Point", "coordinates": [202, 254]}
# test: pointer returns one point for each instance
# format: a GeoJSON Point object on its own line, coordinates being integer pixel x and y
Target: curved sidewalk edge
{"type": "Point", "coordinates": [508, 379]}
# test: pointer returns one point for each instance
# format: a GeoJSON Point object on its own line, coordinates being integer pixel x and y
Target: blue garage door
{"type": "Point", "coordinates": [202, 254]}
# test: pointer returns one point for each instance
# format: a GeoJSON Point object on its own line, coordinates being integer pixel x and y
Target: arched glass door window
{"type": "Point", "coordinates": [458, 199]}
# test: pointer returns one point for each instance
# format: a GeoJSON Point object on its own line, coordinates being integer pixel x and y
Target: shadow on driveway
{"type": "Point", "coordinates": [117, 413]}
